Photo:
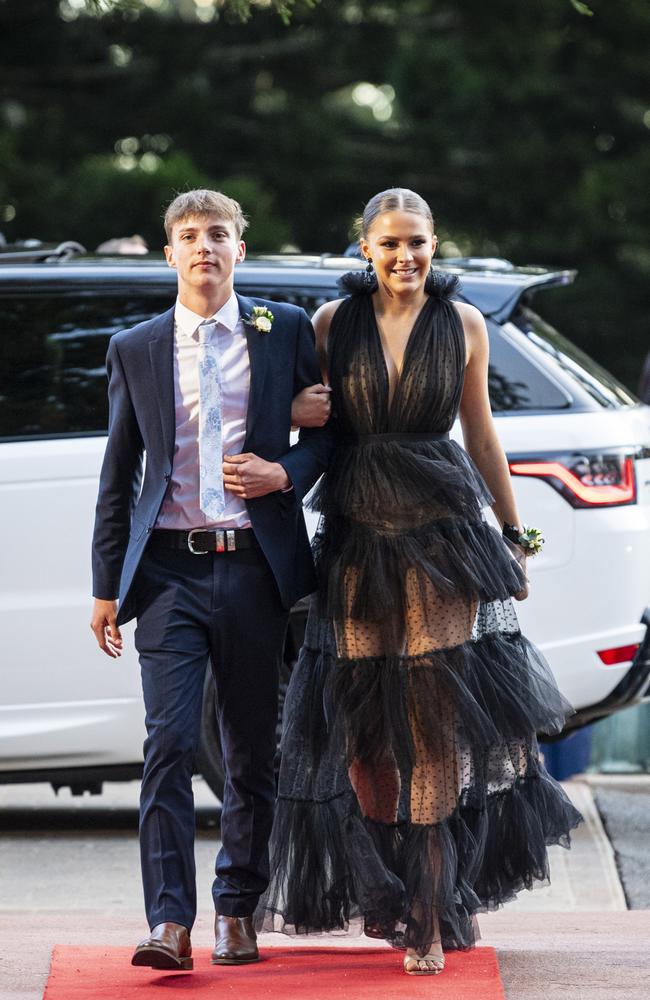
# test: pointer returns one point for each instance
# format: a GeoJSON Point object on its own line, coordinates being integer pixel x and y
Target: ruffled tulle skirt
{"type": "Point", "coordinates": [411, 792]}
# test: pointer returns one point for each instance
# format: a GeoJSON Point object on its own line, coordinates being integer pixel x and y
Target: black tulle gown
{"type": "Point", "coordinates": [411, 792]}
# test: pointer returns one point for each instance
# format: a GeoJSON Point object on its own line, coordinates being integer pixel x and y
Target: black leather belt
{"type": "Point", "coordinates": [402, 436]}
{"type": "Point", "coordinates": [200, 541]}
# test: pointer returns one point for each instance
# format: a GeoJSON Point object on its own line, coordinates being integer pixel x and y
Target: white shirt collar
{"type": "Point", "coordinates": [188, 322]}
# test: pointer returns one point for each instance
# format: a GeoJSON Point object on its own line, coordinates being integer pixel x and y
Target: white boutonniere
{"type": "Point", "coordinates": [261, 319]}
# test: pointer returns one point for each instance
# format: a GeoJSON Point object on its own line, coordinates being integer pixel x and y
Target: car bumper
{"type": "Point", "coordinates": [630, 690]}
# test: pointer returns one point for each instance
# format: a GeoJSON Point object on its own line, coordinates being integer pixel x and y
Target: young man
{"type": "Point", "coordinates": [208, 551]}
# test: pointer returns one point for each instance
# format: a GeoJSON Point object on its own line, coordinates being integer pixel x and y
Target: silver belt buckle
{"type": "Point", "coordinates": [190, 544]}
{"type": "Point", "coordinates": [220, 540]}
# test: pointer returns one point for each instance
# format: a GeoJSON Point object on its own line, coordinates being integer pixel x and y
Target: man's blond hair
{"type": "Point", "coordinates": [200, 203]}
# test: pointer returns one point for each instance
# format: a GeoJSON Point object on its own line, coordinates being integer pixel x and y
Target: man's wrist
{"type": "Point", "coordinates": [285, 482]}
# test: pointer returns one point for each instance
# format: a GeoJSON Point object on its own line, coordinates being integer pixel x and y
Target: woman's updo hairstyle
{"type": "Point", "coordinates": [391, 200]}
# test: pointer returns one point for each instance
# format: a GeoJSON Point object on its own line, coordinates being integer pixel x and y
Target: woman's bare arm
{"type": "Point", "coordinates": [321, 321]}
{"type": "Point", "coordinates": [311, 407]}
{"type": "Point", "coordinates": [479, 433]}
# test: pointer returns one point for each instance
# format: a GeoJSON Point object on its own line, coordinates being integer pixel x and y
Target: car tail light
{"type": "Point", "coordinates": [618, 654]}
{"type": "Point", "coordinates": [585, 479]}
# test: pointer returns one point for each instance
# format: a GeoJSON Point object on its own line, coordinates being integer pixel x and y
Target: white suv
{"type": "Point", "coordinates": [578, 444]}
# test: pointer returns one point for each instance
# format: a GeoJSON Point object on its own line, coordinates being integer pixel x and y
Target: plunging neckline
{"type": "Point", "coordinates": [390, 399]}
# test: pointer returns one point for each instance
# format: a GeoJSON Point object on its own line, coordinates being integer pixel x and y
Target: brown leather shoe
{"type": "Point", "coordinates": [235, 941]}
{"type": "Point", "coordinates": [167, 947]}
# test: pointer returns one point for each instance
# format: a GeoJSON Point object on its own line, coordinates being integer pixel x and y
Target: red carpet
{"type": "Point", "coordinates": [284, 974]}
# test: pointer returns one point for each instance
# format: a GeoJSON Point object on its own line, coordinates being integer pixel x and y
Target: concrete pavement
{"type": "Point", "coordinates": [625, 807]}
{"type": "Point", "coordinates": [69, 874]}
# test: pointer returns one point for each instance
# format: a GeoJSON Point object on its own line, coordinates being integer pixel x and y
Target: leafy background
{"type": "Point", "coordinates": [525, 124]}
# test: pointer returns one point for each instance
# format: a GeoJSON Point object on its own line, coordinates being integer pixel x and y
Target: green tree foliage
{"type": "Point", "coordinates": [525, 124]}
{"type": "Point", "coordinates": [122, 201]}
{"type": "Point", "coordinates": [241, 10]}
{"type": "Point", "coordinates": [238, 10]}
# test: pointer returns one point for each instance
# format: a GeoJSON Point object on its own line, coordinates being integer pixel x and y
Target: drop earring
{"type": "Point", "coordinates": [369, 274]}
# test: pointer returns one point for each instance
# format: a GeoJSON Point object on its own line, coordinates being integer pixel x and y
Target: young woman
{"type": "Point", "coordinates": [411, 791]}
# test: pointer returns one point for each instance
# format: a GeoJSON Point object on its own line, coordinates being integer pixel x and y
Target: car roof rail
{"type": "Point", "coordinates": [318, 260]}
{"type": "Point", "coordinates": [484, 263]}
{"type": "Point", "coordinates": [341, 260]}
{"type": "Point", "coordinates": [34, 252]}
{"type": "Point", "coordinates": [66, 250]}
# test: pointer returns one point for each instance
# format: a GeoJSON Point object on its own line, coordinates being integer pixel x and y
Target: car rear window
{"type": "Point", "coordinates": [592, 379]}
{"type": "Point", "coordinates": [52, 361]}
{"type": "Point", "coordinates": [516, 383]}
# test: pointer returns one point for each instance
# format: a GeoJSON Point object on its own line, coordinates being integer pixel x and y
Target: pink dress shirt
{"type": "Point", "coordinates": [180, 507]}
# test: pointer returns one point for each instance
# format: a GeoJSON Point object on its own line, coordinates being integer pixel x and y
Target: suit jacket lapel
{"type": "Point", "coordinates": [161, 356]}
{"type": "Point", "coordinates": [256, 342]}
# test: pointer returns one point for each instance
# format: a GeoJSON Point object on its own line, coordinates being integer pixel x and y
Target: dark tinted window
{"type": "Point", "coordinates": [52, 353]}
{"type": "Point", "coordinates": [53, 350]}
{"type": "Point", "coordinates": [595, 381]}
{"type": "Point", "coordinates": [515, 383]}
{"type": "Point", "coordinates": [308, 299]}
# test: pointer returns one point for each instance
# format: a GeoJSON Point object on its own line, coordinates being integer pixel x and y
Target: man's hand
{"type": "Point", "coordinates": [104, 625]}
{"type": "Point", "coordinates": [311, 407]}
{"type": "Point", "coordinates": [249, 476]}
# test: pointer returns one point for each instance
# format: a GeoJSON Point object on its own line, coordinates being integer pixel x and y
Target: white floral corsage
{"type": "Point", "coordinates": [261, 319]}
{"type": "Point", "coordinates": [529, 539]}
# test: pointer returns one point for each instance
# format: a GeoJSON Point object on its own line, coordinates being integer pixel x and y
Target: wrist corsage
{"type": "Point", "coordinates": [529, 539]}
{"type": "Point", "coordinates": [261, 319]}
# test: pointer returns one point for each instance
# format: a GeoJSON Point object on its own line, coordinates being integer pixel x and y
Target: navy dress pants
{"type": "Point", "coordinates": [223, 608]}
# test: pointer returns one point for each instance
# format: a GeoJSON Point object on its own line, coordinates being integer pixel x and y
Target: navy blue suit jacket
{"type": "Point", "coordinates": [140, 366]}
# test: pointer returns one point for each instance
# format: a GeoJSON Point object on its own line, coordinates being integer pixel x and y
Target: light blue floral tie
{"type": "Point", "coordinates": [211, 495]}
